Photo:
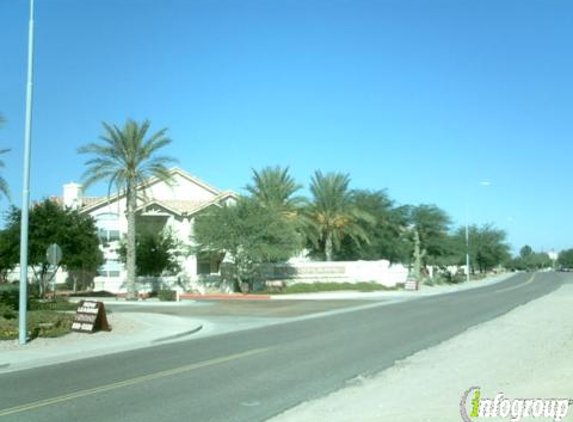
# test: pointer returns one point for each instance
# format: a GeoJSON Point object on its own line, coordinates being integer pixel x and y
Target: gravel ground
{"type": "Point", "coordinates": [524, 354]}
{"type": "Point", "coordinates": [121, 325]}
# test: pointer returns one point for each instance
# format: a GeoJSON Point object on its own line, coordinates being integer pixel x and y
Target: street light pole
{"type": "Point", "coordinates": [22, 329]}
{"type": "Point", "coordinates": [467, 247]}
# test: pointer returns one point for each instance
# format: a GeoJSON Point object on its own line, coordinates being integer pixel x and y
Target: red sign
{"type": "Point", "coordinates": [90, 317]}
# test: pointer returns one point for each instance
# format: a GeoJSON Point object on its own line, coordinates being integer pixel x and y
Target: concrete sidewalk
{"type": "Point", "coordinates": [130, 331]}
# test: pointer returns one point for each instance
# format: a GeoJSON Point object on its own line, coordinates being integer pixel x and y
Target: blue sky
{"type": "Point", "coordinates": [423, 98]}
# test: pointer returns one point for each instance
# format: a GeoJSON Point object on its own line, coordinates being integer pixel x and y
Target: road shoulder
{"type": "Point", "coordinates": [525, 353]}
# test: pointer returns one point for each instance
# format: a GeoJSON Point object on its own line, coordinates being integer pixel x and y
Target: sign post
{"type": "Point", "coordinates": [54, 256]}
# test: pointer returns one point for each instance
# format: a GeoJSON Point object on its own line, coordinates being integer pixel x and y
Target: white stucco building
{"type": "Point", "coordinates": [160, 206]}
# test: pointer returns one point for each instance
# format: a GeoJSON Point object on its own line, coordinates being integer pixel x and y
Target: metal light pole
{"type": "Point", "coordinates": [467, 246]}
{"type": "Point", "coordinates": [26, 186]}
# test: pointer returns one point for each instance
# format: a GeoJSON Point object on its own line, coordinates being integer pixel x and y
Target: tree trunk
{"type": "Point", "coordinates": [417, 255]}
{"type": "Point", "coordinates": [328, 247]}
{"type": "Point", "coordinates": [131, 204]}
{"type": "Point", "coordinates": [237, 280]}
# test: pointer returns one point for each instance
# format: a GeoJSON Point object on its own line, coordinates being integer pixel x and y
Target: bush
{"type": "Point", "coordinates": [8, 329]}
{"type": "Point", "coordinates": [49, 324]}
{"type": "Point", "coordinates": [7, 312]}
{"type": "Point", "coordinates": [99, 293]}
{"type": "Point", "coordinates": [330, 287]}
{"type": "Point", "coordinates": [10, 296]}
{"type": "Point", "coordinates": [58, 304]}
{"type": "Point", "coordinates": [166, 295]}
{"type": "Point", "coordinates": [40, 324]}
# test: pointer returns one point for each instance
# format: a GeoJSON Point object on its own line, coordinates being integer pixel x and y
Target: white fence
{"type": "Point", "coordinates": [380, 272]}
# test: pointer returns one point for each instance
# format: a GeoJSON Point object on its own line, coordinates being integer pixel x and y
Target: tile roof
{"type": "Point", "coordinates": [183, 206]}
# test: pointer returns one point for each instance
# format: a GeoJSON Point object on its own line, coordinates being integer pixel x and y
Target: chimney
{"type": "Point", "coordinates": [73, 196]}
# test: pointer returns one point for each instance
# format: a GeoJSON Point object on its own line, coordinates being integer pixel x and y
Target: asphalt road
{"type": "Point", "coordinates": [253, 375]}
{"type": "Point", "coordinates": [247, 308]}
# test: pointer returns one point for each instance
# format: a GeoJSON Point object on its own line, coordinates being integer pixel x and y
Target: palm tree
{"type": "Point", "coordinates": [333, 212]}
{"type": "Point", "coordinates": [275, 187]}
{"type": "Point", "coordinates": [3, 185]}
{"type": "Point", "coordinates": [124, 158]}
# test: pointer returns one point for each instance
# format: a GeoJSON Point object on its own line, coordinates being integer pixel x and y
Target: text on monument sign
{"type": "Point", "coordinates": [412, 284]}
{"type": "Point", "coordinates": [90, 317]}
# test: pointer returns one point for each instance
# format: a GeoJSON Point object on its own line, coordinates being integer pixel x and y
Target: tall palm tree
{"type": "Point", "coordinates": [275, 187]}
{"type": "Point", "coordinates": [333, 212]}
{"type": "Point", "coordinates": [3, 185]}
{"type": "Point", "coordinates": [124, 158]}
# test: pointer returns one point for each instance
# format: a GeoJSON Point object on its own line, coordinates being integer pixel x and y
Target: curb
{"type": "Point", "coordinates": [179, 335]}
{"type": "Point", "coordinates": [190, 296]}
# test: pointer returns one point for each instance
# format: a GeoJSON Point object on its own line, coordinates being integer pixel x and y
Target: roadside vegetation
{"type": "Point", "coordinates": [338, 223]}
{"type": "Point", "coordinates": [46, 318]}
{"type": "Point", "coordinates": [329, 287]}
{"type": "Point", "coordinates": [49, 223]}
{"type": "Point", "coordinates": [270, 223]}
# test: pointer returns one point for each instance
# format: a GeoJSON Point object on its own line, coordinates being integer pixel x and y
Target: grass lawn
{"type": "Point", "coordinates": [330, 287]}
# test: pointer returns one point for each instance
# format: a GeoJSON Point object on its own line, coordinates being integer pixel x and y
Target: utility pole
{"type": "Point", "coordinates": [26, 186]}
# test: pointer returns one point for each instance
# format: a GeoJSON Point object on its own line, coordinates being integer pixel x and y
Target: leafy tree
{"type": "Point", "coordinates": [525, 252]}
{"type": "Point", "coordinates": [274, 187]}
{"type": "Point", "coordinates": [49, 223]}
{"type": "Point", "coordinates": [124, 158]}
{"type": "Point", "coordinates": [333, 214]}
{"type": "Point", "coordinates": [543, 260]}
{"type": "Point", "coordinates": [156, 253]}
{"type": "Point", "coordinates": [82, 265]}
{"type": "Point", "coordinates": [529, 260]}
{"type": "Point", "coordinates": [491, 248]}
{"type": "Point", "coordinates": [9, 251]}
{"type": "Point", "coordinates": [565, 259]}
{"type": "Point", "coordinates": [249, 233]}
{"type": "Point", "coordinates": [385, 232]}
{"type": "Point", "coordinates": [487, 247]}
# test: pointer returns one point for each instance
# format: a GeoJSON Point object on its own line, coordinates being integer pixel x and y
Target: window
{"type": "Point", "coordinates": [108, 227]}
{"type": "Point", "coordinates": [208, 264]}
{"type": "Point", "coordinates": [112, 268]}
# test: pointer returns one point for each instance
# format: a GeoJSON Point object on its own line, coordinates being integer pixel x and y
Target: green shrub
{"type": "Point", "coordinates": [58, 304]}
{"type": "Point", "coordinates": [166, 295]}
{"type": "Point", "coordinates": [99, 293]}
{"type": "Point", "coordinates": [40, 324]}
{"type": "Point", "coordinates": [7, 312]}
{"type": "Point", "coordinates": [8, 329]}
{"type": "Point", "coordinates": [50, 323]}
{"type": "Point", "coordinates": [10, 296]}
{"type": "Point", "coordinates": [330, 287]}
